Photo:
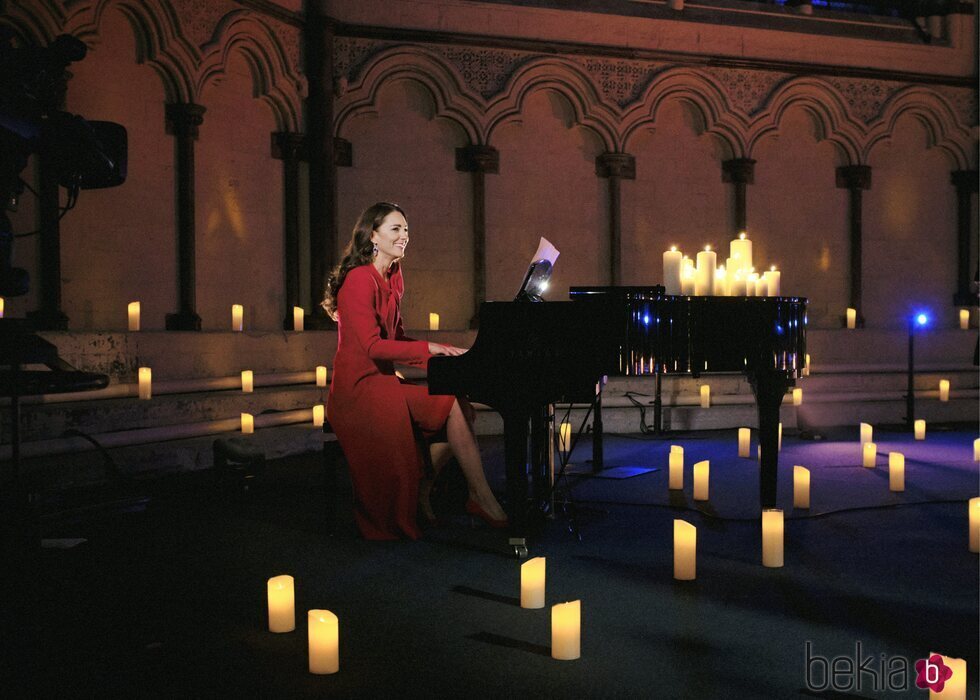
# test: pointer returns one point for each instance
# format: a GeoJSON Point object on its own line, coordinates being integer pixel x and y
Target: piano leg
{"type": "Point", "coordinates": [515, 457]}
{"type": "Point", "coordinates": [769, 388]}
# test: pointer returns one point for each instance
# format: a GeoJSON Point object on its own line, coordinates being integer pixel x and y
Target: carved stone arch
{"type": "Point", "coordinates": [37, 26]}
{"type": "Point", "coordinates": [453, 100]}
{"type": "Point", "coordinates": [567, 79]}
{"type": "Point", "coordinates": [273, 81]}
{"type": "Point", "coordinates": [159, 42]}
{"type": "Point", "coordinates": [703, 94]}
{"type": "Point", "coordinates": [936, 114]}
{"type": "Point", "coordinates": [824, 104]}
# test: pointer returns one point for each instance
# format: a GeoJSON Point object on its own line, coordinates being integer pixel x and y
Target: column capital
{"type": "Point", "coordinates": [964, 180]}
{"type": "Point", "coordinates": [478, 158]}
{"type": "Point", "coordinates": [738, 170]}
{"type": "Point", "coordinates": [854, 177]}
{"type": "Point", "coordinates": [288, 145]}
{"type": "Point", "coordinates": [343, 153]}
{"type": "Point", "coordinates": [621, 165]}
{"type": "Point", "coordinates": [183, 118]}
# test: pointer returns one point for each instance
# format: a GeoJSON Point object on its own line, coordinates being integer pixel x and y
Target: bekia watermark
{"type": "Point", "coordinates": [878, 674]}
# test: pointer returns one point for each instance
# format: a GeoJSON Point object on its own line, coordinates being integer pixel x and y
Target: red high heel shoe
{"type": "Point", "coordinates": [474, 509]}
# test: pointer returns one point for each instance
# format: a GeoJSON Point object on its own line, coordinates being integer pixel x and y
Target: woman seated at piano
{"type": "Point", "coordinates": [382, 423]}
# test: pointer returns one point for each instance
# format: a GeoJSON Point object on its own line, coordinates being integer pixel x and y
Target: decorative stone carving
{"type": "Point", "coordinates": [199, 19]}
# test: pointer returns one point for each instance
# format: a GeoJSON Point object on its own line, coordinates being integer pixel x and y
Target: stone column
{"type": "Point", "coordinates": [615, 167]}
{"type": "Point", "coordinates": [740, 172]}
{"type": "Point", "coordinates": [965, 182]}
{"type": "Point", "coordinates": [479, 160]}
{"type": "Point", "coordinates": [288, 146]}
{"type": "Point", "coordinates": [855, 179]}
{"type": "Point", "coordinates": [183, 120]}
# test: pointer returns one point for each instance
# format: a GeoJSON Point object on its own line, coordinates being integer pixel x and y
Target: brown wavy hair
{"type": "Point", "coordinates": [359, 251]}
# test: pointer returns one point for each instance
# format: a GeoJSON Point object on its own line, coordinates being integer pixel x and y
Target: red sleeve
{"type": "Point", "coordinates": [359, 318]}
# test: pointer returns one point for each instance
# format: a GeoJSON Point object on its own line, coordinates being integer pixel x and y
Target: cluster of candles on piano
{"type": "Point", "coordinates": [736, 278]}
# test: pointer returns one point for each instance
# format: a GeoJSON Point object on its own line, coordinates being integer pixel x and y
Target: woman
{"type": "Point", "coordinates": [373, 413]}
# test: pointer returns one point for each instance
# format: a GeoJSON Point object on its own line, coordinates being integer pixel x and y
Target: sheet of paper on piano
{"type": "Point", "coordinates": [545, 251]}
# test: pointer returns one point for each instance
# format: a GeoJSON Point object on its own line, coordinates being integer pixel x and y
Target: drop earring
{"type": "Point", "coordinates": [374, 252]}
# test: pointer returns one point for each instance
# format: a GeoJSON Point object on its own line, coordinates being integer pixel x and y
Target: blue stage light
{"type": "Point", "coordinates": [922, 319]}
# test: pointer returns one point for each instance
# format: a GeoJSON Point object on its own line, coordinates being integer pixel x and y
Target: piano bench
{"type": "Point", "coordinates": [237, 462]}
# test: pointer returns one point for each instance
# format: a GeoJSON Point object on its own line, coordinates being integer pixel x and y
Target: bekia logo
{"type": "Point", "coordinates": [932, 673]}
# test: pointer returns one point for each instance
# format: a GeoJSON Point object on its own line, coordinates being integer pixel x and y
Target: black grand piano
{"type": "Point", "coordinates": [529, 355]}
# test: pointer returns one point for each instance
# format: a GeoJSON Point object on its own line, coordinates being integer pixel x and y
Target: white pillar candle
{"type": "Point", "coordinates": [976, 450]}
{"type": "Point", "coordinates": [248, 423]}
{"type": "Point", "coordinates": [324, 641]}
{"type": "Point", "coordinates": [944, 390]}
{"type": "Point", "coordinates": [133, 311]}
{"type": "Point", "coordinates": [701, 470]}
{"type": "Point", "coordinates": [2, 304]}
{"type": "Point", "coordinates": [751, 281]}
{"type": "Point", "coordinates": [672, 270]}
{"type": "Point", "coordinates": [771, 278]}
{"type": "Point", "coordinates": [676, 468]}
{"type": "Point", "coordinates": [744, 442]}
{"type": "Point", "coordinates": [920, 429]}
{"type": "Point", "coordinates": [801, 487]}
{"type": "Point", "coordinates": [852, 315]}
{"type": "Point", "coordinates": [532, 583]}
{"type": "Point", "coordinates": [772, 537]}
{"type": "Point", "coordinates": [736, 287]}
{"type": "Point", "coordinates": [704, 280]}
{"type": "Point", "coordinates": [896, 471]}
{"type": "Point", "coordinates": [797, 396]}
{"type": "Point", "coordinates": [318, 416]}
{"type": "Point", "coordinates": [237, 317]}
{"type": "Point", "coordinates": [564, 437]}
{"type": "Point", "coordinates": [685, 550]}
{"type": "Point", "coordinates": [741, 248]}
{"type": "Point", "coordinates": [145, 383]}
{"type": "Point", "coordinates": [955, 686]}
{"type": "Point", "coordinates": [433, 321]}
{"type": "Point", "coordinates": [870, 454]}
{"type": "Point", "coordinates": [806, 365]}
{"type": "Point", "coordinates": [779, 438]}
{"type": "Point", "coordinates": [687, 281]}
{"type": "Point", "coordinates": [974, 516]}
{"type": "Point", "coordinates": [321, 375]}
{"type": "Point", "coordinates": [760, 285]}
{"type": "Point", "coordinates": [867, 433]}
{"type": "Point", "coordinates": [721, 282]}
{"type": "Point", "coordinates": [282, 605]}
{"type": "Point", "coordinates": [964, 319]}
{"type": "Point", "coordinates": [247, 381]}
{"type": "Point", "coordinates": [705, 396]}
{"type": "Point", "coordinates": [566, 630]}
{"type": "Point", "coordinates": [298, 314]}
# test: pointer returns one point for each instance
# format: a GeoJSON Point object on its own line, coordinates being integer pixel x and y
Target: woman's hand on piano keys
{"type": "Point", "coordinates": [439, 349]}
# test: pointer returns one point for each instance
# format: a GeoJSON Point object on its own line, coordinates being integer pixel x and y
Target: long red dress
{"type": "Point", "coordinates": [372, 412]}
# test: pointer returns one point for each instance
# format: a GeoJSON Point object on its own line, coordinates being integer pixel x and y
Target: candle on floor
{"type": "Point", "coordinates": [974, 509]}
{"type": "Point", "coordinates": [964, 319]}
{"type": "Point", "coordinates": [298, 314]}
{"type": "Point", "coordinates": [145, 383]}
{"type": "Point", "coordinates": [532, 583]}
{"type": "Point", "coordinates": [701, 470]}
{"type": "Point", "coordinates": [852, 315]}
{"type": "Point", "coordinates": [806, 366]}
{"type": "Point", "coordinates": [282, 610]}
{"type": "Point", "coordinates": [237, 317]}
{"type": "Point", "coordinates": [685, 550]}
{"type": "Point", "coordinates": [920, 429]}
{"type": "Point", "coordinates": [797, 396]}
{"type": "Point", "coordinates": [321, 375]}
{"type": "Point", "coordinates": [705, 396]}
{"type": "Point", "coordinates": [247, 382]}
{"type": "Point", "coordinates": [944, 390]}
{"type": "Point", "coordinates": [566, 630]}
{"type": "Point", "coordinates": [867, 433]}
{"type": "Point", "coordinates": [976, 450]}
{"type": "Point", "coordinates": [896, 471]}
{"type": "Point", "coordinates": [870, 454]}
{"type": "Point", "coordinates": [133, 311]}
{"type": "Point", "coordinates": [672, 270]}
{"type": "Point", "coordinates": [676, 466]}
{"type": "Point", "coordinates": [771, 278]}
{"type": "Point", "coordinates": [779, 438]}
{"type": "Point", "coordinates": [433, 321]}
{"type": "Point", "coordinates": [744, 442]}
{"type": "Point", "coordinates": [324, 641]}
{"type": "Point", "coordinates": [704, 280]}
{"type": "Point", "coordinates": [772, 537]}
{"type": "Point", "coordinates": [564, 437]}
{"type": "Point", "coordinates": [955, 686]}
{"type": "Point", "coordinates": [248, 423]}
{"type": "Point", "coordinates": [318, 416]}
{"type": "Point", "coordinates": [2, 304]}
{"type": "Point", "coordinates": [801, 487]}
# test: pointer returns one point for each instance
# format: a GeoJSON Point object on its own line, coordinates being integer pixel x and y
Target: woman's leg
{"type": "Point", "coordinates": [464, 447]}
{"type": "Point", "coordinates": [439, 453]}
